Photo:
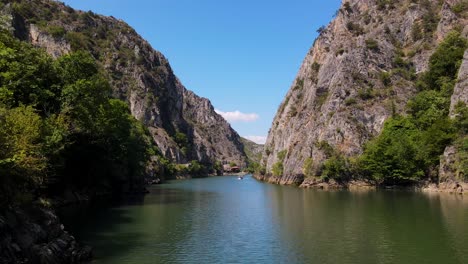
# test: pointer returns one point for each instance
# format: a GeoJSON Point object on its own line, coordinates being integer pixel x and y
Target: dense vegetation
{"type": "Point", "coordinates": [60, 129]}
{"type": "Point", "coordinates": [409, 147]}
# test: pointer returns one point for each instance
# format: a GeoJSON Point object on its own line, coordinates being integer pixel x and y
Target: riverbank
{"type": "Point", "coordinates": [34, 234]}
{"type": "Point", "coordinates": [453, 187]}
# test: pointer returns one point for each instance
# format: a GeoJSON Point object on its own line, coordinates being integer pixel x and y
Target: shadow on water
{"type": "Point", "coordinates": [116, 229]}
{"type": "Point", "coordinates": [225, 220]}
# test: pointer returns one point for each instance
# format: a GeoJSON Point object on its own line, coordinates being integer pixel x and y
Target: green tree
{"type": "Point", "coordinates": [22, 164]}
{"type": "Point", "coordinates": [392, 157]}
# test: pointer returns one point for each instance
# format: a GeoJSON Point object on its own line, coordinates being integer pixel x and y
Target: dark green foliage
{"type": "Point", "coordinates": [78, 40]}
{"type": "Point", "coordinates": [355, 28]}
{"type": "Point", "coordinates": [320, 98]}
{"type": "Point", "coordinates": [22, 164]}
{"type": "Point", "coordinates": [327, 149]}
{"type": "Point", "coordinates": [315, 66]}
{"type": "Point", "coordinates": [392, 157]}
{"type": "Point", "coordinates": [321, 29]}
{"type": "Point", "coordinates": [281, 155]}
{"type": "Point", "coordinates": [350, 101]}
{"type": "Point", "coordinates": [277, 169]}
{"type": "Point", "coordinates": [299, 84]}
{"type": "Point", "coordinates": [366, 93]}
{"type": "Point", "coordinates": [460, 8]}
{"type": "Point", "coordinates": [347, 7]}
{"type": "Point", "coordinates": [416, 32]}
{"type": "Point", "coordinates": [254, 167]}
{"type": "Point", "coordinates": [27, 76]}
{"type": "Point", "coordinates": [384, 4]}
{"type": "Point", "coordinates": [308, 167]}
{"type": "Point", "coordinates": [372, 44]}
{"type": "Point", "coordinates": [56, 31]}
{"type": "Point", "coordinates": [196, 169]}
{"type": "Point", "coordinates": [445, 61]}
{"type": "Point", "coordinates": [292, 111]}
{"type": "Point", "coordinates": [385, 77]}
{"type": "Point", "coordinates": [337, 168]}
{"type": "Point", "coordinates": [340, 52]}
{"type": "Point", "coordinates": [59, 128]}
{"type": "Point", "coordinates": [409, 148]}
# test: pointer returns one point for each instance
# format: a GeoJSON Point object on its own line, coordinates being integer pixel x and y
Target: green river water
{"type": "Point", "coordinates": [226, 220]}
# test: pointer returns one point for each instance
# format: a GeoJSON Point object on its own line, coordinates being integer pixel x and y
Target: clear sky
{"type": "Point", "coordinates": [241, 54]}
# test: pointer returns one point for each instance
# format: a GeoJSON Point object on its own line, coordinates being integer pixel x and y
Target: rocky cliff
{"type": "Point", "coordinates": [360, 71]}
{"type": "Point", "coordinates": [183, 125]}
{"type": "Point", "coordinates": [35, 235]}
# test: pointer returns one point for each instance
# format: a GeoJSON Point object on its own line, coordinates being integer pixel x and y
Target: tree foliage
{"type": "Point", "coordinates": [59, 127]}
{"type": "Point", "coordinates": [409, 147]}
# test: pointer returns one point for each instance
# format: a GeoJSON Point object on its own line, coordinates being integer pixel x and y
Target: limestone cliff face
{"type": "Point", "coordinates": [360, 70]}
{"type": "Point", "coordinates": [183, 125]}
{"type": "Point", "coordinates": [454, 160]}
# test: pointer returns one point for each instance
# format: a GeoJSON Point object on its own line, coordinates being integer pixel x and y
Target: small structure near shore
{"type": "Point", "coordinates": [231, 169]}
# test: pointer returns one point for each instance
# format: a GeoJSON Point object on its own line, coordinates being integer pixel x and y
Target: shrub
{"type": "Point", "coordinates": [281, 155]}
{"type": "Point", "coordinates": [308, 167]}
{"type": "Point", "coordinates": [56, 31]}
{"type": "Point", "coordinates": [336, 167]}
{"type": "Point", "coordinates": [372, 44]}
{"type": "Point", "coordinates": [347, 7]}
{"type": "Point", "coordinates": [460, 8]}
{"type": "Point", "coordinates": [321, 29]}
{"type": "Point", "coordinates": [340, 52]}
{"type": "Point", "coordinates": [385, 77]}
{"type": "Point", "coordinates": [299, 84]}
{"type": "Point", "coordinates": [277, 169]}
{"type": "Point", "coordinates": [327, 149]}
{"type": "Point", "coordinates": [315, 66]}
{"type": "Point", "coordinates": [366, 93]}
{"type": "Point", "coordinates": [292, 111]}
{"type": "Point", "coordinates": [350, 101]}
{"type": "Point", "coordinates": [355, 28]}
{"type": "Point", "coordinates": [416, 32]}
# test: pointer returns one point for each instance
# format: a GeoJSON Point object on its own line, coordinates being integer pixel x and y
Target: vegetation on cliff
{"type": "Point", "coordinates": [60, 129]}
{"type": "Point", "coordinates": [410, 145]}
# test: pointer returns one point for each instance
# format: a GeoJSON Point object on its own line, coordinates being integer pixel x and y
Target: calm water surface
{"type": "Point", "coordinates": [225, 220]}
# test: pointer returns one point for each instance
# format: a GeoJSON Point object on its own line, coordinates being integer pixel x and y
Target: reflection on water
{"type": "Point", "coordinates": [225, 220]}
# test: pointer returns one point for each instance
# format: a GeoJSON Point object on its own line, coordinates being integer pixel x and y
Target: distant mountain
{"type": "Point", "coordinates": [252, 150]}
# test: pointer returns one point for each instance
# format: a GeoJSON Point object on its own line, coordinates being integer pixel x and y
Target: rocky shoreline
{"type": "Point", "coordinates": [453, 187]}
{"type": "Point", "coordinates": [36, 235]}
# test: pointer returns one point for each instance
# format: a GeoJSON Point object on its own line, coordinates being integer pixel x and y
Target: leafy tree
{"type": "Point", "coordinates": [22, 165]}
{"type": "Point", "coordinates": [392, 157]}
{"type": "Point", "coordinates": [27, 76]}
{"type": "Point", "coordinates": [446, 60]}
{"type": "Point", "coordinates": [336, 167]}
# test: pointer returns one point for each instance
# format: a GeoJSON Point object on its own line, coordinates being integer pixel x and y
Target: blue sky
{"type": "Point", "coordinates": [241, 54]}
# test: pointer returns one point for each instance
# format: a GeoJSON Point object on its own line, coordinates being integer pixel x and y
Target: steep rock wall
{"type": "Point", "coordinates": [360, 71]}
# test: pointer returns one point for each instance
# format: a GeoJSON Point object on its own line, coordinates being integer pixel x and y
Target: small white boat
{"type": "Point", "coordinates": [240, 177]}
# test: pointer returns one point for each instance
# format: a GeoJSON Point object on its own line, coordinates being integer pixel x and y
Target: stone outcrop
{"type": "Point", "coordinates": [183, 125]}
{"type": "Point", "coordinates": [452, 176]}
{"type": "Point", "coordinates": [35, 235]}
{"type": "Point", "coordinates": [359, 72]}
